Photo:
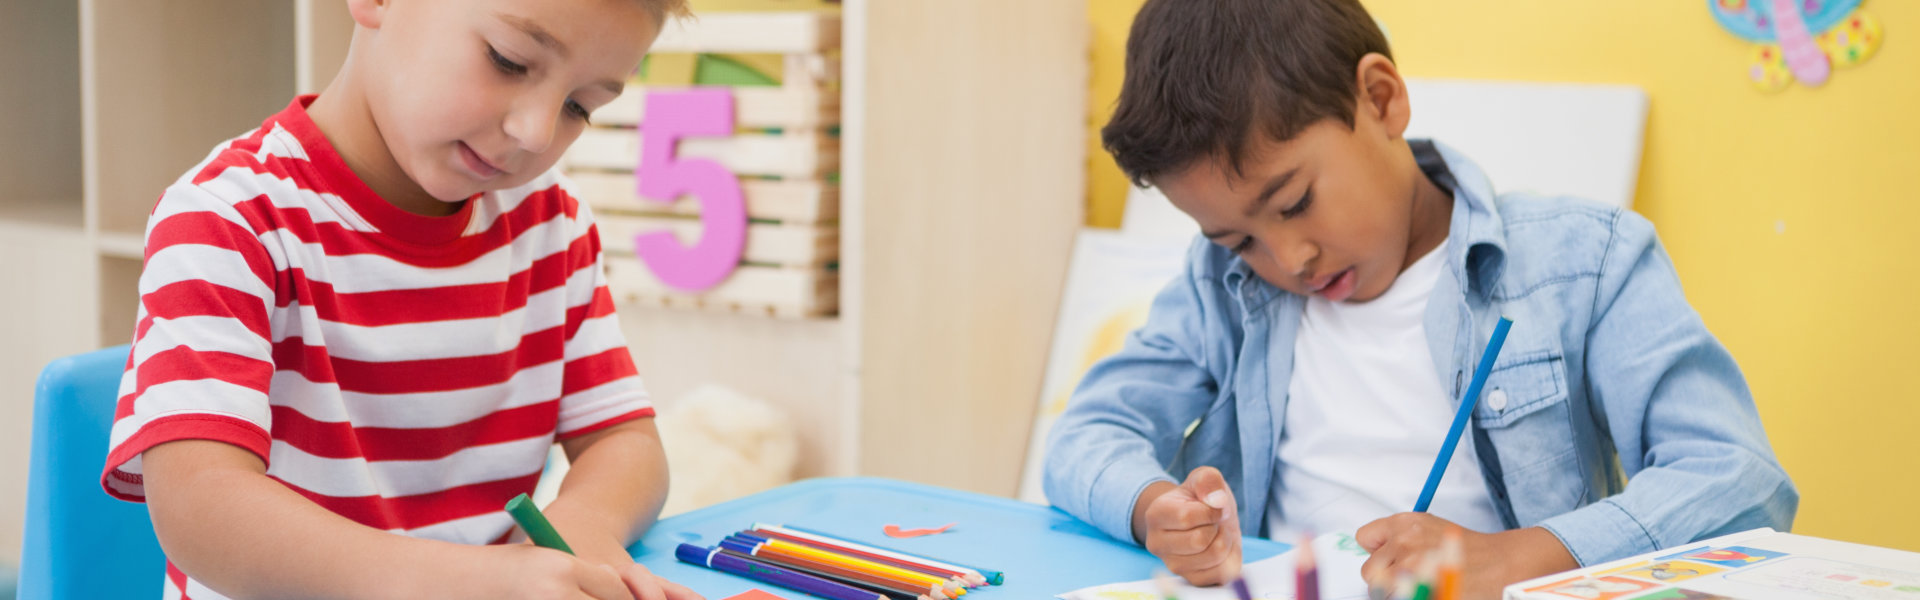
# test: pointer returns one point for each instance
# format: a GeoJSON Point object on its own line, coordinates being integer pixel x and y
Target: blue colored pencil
{"type": "Point", "coordinates": [1460, 416]}
{"type": "Point", "coordinates": [728, 561]}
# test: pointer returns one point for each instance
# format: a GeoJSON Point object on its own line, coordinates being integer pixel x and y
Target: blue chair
{"type": "Point", "coordinates": [80, 542]}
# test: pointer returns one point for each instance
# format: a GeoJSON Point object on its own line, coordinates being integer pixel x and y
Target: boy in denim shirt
{"type": "Point", "coordinates": [1303, 368]}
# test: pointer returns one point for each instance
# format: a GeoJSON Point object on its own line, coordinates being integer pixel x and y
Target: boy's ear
{"type": "Point", "coordinates": [1383, 94]}
{"type": "Point", "coordinates": [368, 13]}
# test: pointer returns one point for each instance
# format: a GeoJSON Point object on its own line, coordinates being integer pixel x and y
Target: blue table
{"type": "Point", "coordinates": [1042, 550]}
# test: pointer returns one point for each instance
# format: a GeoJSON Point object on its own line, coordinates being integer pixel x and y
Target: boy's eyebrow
{"type": "Point", "coordinates": [535, 31]}
{"type": "Point", "coordinates": [540, 35]}
{"type": "Point", "coordinates": [1266, 193]}
{"type": "Point", "coordinates": [1261, 201]}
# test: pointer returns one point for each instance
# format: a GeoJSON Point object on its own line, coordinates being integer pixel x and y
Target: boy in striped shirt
{"type": "Point", "coordinates": [375, 313]}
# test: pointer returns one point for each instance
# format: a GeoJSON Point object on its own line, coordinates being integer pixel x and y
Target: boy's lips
{"type": "Point", "coordinates": [475, 163]}
{"type": "Point", "coordinates": [1336, 287]}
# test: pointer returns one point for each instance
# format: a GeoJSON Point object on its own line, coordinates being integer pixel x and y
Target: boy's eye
{"type": "Point", "coordinates": [575, 110]}
{"type": "Point", "coordinates": [1299, 207]}
{"type": "Point", "coordinates": [505, 66]}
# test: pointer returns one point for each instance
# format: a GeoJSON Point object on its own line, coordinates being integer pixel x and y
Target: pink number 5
{"type": "Point", "coordinates": [723, 215]}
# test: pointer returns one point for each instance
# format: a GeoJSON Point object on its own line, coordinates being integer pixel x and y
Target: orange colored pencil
{"type": "Point", "coordinates": [785, 547]}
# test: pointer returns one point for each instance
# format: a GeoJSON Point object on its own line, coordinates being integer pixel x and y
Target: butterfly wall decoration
{"type": "Point", "coordinates": [1799, 40]}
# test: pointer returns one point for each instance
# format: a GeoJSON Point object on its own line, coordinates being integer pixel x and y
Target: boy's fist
{"type": "Point", "coordinates": [1193, 527]}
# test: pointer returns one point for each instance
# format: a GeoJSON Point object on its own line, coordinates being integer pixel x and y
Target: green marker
{"type": "Point", "coordinates": [523, 511]}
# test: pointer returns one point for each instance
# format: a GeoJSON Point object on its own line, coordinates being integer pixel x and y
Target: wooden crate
{"type": "Point", "coordinates": [784, 292]}
{"type": "Point", "coordinates": [785, 150]}
{"type": "Point", "coordinates": [797, 245]}
{"type": "Point", "coordinates": [792, 154]}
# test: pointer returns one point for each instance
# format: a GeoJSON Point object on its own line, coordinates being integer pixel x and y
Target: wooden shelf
{"type": "Point", "coordinates": [60, 213]}
{"type": "Point", "coordinates": [121, 245]}
{"type": "Point", "coordinates": [119, 298]}
{"type": "Point", "coordinates": [753, 32]}
{"type": "Point", "coordinates": [322, 31]}
{"type": "Point", "coordinates": [163, 83]}
{"type": "Point", "coordinates": [40, 158]}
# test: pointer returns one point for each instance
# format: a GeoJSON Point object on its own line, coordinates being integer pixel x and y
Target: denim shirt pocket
{"type": "Point", "coordinates": [1520, 387]}
{"type": "Point", "coordinates": [1524, 410]}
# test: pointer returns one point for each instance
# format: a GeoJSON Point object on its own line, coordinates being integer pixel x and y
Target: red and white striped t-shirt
{"type": "Point", "coordinates": [406, 372]}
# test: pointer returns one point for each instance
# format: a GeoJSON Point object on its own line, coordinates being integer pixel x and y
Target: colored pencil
{"type": "Point", "coordinates": [728, 561]}
{"type": "Point", "coordinates": [959, 581]}
{"type": "Point", "coordinates": [1460, 416]}
{"type": "Point", "coordinates": [538, 529]}
{"type": "Point", "coordinates": [861, 564]}
{"type": "Point", "coordinates": [1450, 559]}
{"type": "Point", "coordinates": [960, 578]}
{"type": "Point", "coordinates": [885, 585]}
{"type": "Point", "coordinates": [1403, 586]}
{"type": "Point", "coordinates": [1240, 589]}
{"type": "Point", "coordinates": [1423, 588]}
{"type": "Point", "coordinates": [972, 575]}
{"type": "Point", "coordinates": [759, 548]}
{"type": "Point", "coordinates": [880, 555]}
{"type": "Point", "coordinates": [1306, 575]}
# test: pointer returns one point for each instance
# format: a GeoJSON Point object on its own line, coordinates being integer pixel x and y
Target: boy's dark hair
{"type": "Point", "coordinates": [1202, 75]}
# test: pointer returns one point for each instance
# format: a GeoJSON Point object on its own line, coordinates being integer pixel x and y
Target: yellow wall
{"type": "Point", "coordinates": [1794, 218]}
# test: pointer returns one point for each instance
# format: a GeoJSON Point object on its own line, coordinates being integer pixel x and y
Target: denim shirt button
{"type": "Point", "coordinates": [1497, 400]}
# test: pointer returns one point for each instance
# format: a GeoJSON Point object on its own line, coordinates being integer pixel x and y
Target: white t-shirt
{"type": "Point", "coordinates": [1365, 416]}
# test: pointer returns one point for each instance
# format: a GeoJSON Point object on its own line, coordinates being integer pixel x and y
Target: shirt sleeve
{"type": "Point", "coordinates": [202, 358]}
{"type": "Point", "coordinates": [1680, 415]}
{"type": "Point", "coordinates": [601, 386]}
{"type": "Point", "coordinates": [1126, 420]}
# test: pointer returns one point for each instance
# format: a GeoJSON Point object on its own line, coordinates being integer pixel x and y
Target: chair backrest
{"type": "Point", "coordinates": [80, 542]}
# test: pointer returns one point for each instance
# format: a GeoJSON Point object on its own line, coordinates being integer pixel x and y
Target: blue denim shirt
{"type": "Point", "coordinates": [1628, 427]}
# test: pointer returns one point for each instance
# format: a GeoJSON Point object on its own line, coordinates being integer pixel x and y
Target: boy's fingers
{"type": "Point", "coordinates": [1374, 535]}
{"type": "Point", "coordinates": [1209, 486]}
{"type": "Point", "coordinates": [676, 591]}
{"type": "Point", "coordinates": [1181, 514]}
{"type": "Point", "coordinates": [602, 583]}
{"type": "Point", "coordinates": [1184, 543]}
{"type": "Point", "coordinates": [641, 583]}
{"type": "Point", "coordinates": [1383, 564]}
{"type": "Point", "coordinates": [1219, 563]}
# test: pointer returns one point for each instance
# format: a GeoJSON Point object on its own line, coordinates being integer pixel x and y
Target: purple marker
{"type": "Point", "coordinates": [728, 561]}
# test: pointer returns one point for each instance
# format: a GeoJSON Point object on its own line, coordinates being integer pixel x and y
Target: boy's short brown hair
{"type": "Point", "coordinates": [661, 9]}
{"type": "Point", "coordinates": [1204, 74]}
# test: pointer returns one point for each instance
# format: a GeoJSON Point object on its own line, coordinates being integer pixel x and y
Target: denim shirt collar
{"type": "Point", "coordinates": [1477, 241]}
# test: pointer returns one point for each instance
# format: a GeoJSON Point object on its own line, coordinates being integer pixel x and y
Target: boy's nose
{"type": "Point", "coordinates": [532, 128]}
{"type": "Point", "coordinates": [1297, 259]}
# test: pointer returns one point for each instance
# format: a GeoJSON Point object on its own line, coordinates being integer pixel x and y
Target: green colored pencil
{"type": "Point", "coordinates": [523, 511]}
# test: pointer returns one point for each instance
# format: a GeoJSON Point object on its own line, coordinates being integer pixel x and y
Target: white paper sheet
{"type": "Point", "coordinates": [1336, 556]}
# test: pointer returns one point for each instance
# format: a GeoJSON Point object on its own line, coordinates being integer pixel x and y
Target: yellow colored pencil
{"type": "Point", "coordinates": [863, 565]}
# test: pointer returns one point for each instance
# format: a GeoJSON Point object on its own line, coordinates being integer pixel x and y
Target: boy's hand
{"type": "Point", "coordinates": [1193, 527]}
{"type": "Point", "coordinates": [646, 586]}
{"type": "Point", "coordinates": [531, 572]}
{"type": "Point", "coordinates": [1490, 561]}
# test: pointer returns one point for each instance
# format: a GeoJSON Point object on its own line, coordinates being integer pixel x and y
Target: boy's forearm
{"type": "Point", "coordinates": [613, 491]}
{"type": "Point", "coordinates": [229, 526]}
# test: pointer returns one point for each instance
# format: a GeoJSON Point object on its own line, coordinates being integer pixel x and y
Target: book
{"type": "Point", "coordinates": [1761, 564]}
